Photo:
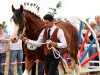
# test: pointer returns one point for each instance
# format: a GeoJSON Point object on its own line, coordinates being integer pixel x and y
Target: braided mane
{"type": "Point", "coordinates": [32, 13]}
{"type": "Point", "coordinates": [32, 6]}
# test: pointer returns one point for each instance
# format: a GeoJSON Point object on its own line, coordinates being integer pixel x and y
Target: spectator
{"type": "Point", "coordinates": [97, 30]}
{"type": "Point", "coordinates": [16, 54]}
{"type": "Point", "coordinates": [40, 68]}
{"type": "Point", "coordinates": [93, 26]}
{"type": "Point", "coordinates": [3, 48]}
{"type": "Point", "coordinates": [94, 49]}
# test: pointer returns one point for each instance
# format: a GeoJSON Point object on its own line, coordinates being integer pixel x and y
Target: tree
{"type": "Point", "coordinates": [84, 25]}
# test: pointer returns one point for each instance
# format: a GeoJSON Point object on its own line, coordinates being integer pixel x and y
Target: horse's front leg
{"type": "Point", "coordinates": [28, 66]}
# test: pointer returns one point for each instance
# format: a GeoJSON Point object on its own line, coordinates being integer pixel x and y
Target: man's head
{"type": "Point", "coordinates": [97, 19]}
{"type": "Point", "coordinates": [48, 20]}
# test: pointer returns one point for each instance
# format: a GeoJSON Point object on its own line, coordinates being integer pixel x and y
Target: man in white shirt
{"type": "Point", "coordinates": [56, 35]}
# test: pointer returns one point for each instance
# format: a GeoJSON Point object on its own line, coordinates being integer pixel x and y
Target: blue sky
{"type": "Point", "coordinates": [81, 8]}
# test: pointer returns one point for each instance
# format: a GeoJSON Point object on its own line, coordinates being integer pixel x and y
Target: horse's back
{"type": "Point", "coordinates": [71, 35]}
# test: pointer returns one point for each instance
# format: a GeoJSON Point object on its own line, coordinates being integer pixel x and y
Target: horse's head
{"type": "Point", "coordinates": [27, 22]}
{"type": "Point", "coordinates": [19, 20]}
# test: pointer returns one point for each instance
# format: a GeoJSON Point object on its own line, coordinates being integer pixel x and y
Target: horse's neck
{"type": "Point", "coordinates": [30, 31]}
{"type": "Point", "coordinates": [33, 24]}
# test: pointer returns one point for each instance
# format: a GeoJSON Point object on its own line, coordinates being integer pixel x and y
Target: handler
{"type": "Point", "coordinates": [56, 38]}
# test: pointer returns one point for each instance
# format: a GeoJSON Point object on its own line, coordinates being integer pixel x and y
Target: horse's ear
{"type": "Point", "coordinates": [21, 8]}
{"type": "Point", "coordinates": [13, 9]}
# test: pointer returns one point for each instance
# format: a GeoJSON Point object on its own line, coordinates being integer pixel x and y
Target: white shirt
{"type": "Point", "coordinates": [60, 36]}
{"type": "Point", "coordinates": [2, 42]}
{"type": "Point", "coordinates": [16, 46]}
{"type": "Point", "coordinates": [97, 30]}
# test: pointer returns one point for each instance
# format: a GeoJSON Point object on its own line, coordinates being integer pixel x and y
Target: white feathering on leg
{"type": "Point", "coordinates": [25, 72]}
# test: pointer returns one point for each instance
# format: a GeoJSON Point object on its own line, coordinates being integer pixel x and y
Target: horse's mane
{"type": "Point", "coordinates": [33, 6]}
{"type": "Point", "coordinates": [33, 13]}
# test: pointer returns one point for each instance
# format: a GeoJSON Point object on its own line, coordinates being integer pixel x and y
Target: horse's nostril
{"type": "Point", "coordinates": [14, 38]}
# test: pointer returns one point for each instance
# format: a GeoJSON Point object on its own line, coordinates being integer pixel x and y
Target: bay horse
{"type": "Point", "coordinates": [31, 25]}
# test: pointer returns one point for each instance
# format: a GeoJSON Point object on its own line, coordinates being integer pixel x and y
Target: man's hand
{"type": "Point", "coordinates": [24, 38]}
{"type": "Point", "coordinates": [54, 44]}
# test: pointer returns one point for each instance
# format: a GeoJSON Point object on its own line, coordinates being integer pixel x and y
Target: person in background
{"type": "Point", "coordinates": [97, 29]}
{"type": "Point", "coordinates": [93, 26]}
{"type": "Point", "coordinates": [16, 55]}
{"type": "Point", "coordinates": [40, 68]}
{"type": "Point", "coordinates": [93, 49]}
{"type": "Point", "coordinates": [3, 47]}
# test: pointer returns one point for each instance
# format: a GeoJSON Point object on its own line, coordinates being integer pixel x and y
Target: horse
{"type": "Point", "coordinates": [31, 25]}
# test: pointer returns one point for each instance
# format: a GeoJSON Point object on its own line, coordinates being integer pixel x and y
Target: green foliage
{"type": "Point", "coordinates": [84, 25]}
{"type": "Point", "coordinates": [54, 10]}
{"type": "Point", "coordinates": [59, 5]}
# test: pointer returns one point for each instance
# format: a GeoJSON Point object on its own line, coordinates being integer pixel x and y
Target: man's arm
{"type": "Point", "coordinates": [62, 39]}
{"type": "Point", "coordinates": [33, 42]}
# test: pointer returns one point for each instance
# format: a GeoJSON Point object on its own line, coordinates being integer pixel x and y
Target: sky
{"type": "Point", "coordinates": [80, 8]}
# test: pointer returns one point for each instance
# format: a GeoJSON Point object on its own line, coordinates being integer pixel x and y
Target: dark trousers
{"type": "Point", "coordinates": [91, 52]}
{"type": "Point", "coordinates": [40, 69]}
{"type": "Point", "coordinates": [2, 60]}
{"type": "Point", "coordinates": [51, 65]}
{"type": "Point", "coordinates": [33, 69]}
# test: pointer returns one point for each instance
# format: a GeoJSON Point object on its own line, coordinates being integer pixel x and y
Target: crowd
{"type": "Point", "coordinates": [16, 50]}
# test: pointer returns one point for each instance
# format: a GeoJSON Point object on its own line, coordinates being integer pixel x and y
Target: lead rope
{"type": "Point", "coordinates": [56, 53]}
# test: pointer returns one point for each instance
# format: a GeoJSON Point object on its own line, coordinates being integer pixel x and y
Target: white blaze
{"type": "Point", "coordinates": [15, 30]}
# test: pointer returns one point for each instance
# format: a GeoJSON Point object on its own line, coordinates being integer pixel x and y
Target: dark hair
{"type": "Point", "coordinates": [1, 25]}
{"type": "Point", "coordinates": [48, 17]}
